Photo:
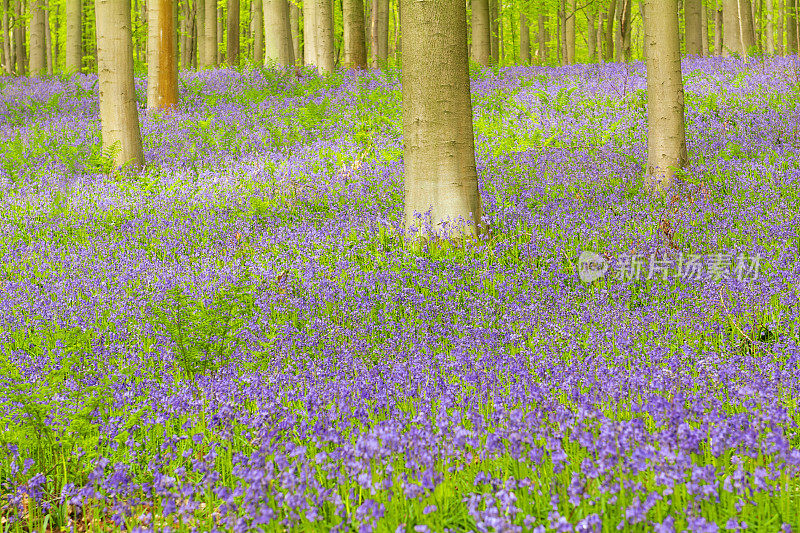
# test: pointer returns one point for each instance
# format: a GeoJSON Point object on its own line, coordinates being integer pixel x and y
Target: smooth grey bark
{"type": "Point", "coordinates": [210, 34]}
{"type": "Point", "coordinates": [119, 116]}
{"type": "Point", "coordinates": [232, 43]}
{"type": "Point", "coordinates": [692, 26]}
{"type": "Point", "coordinates": [666, 131]}
{"type": "Point", "coordinates": [355, 49]}
{"type": "Point", "coordinates": [278, 34]}
{"type": "Point", "coordinates": [481, 43]}
{"type": "Point", "coordinates": [294, 24]}
{"type": "Point", "coordinates": [718, 31]}
{"type": "Point", "coordinates": [524, 40]}
{"type": "Point", "coordinates": [731, 37]}
{"type": "Point", "coordinates": [324, 39]}
{"type": "Point", "coordinates": [441, 181]}
{"type": "Point", "coordinates": [38, 52]}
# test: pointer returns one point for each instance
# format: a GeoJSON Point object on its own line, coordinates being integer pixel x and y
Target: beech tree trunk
{"type": "Point", "coordinates": [38, 53]}
{"type": "Point", "coordinates": [19, 39]}
{"type": "Point", "coordinates": [493, 26]}
{"type": "Point", "coordinates": [770, 41]}
{"type": "Point", "coordinates": [481, 44]}
{"type": "Point", "coordinates": [309, 32]}
{"type": "Point", "coordinates": [162, 79]}
{"type": "Point", "coordinates": [232, 44]}
{"type": "Point", "coordinates": [732, 41]}
{"type": "Point", "coordinates": [779, 29]}
{"type": "Point", "coordinates": [294, 23]}
{"type": "Point", "coordinates": [324, 39]}
{"type": "Point", "coordinates": [601, 18]}
{"type": "Point", "coordinates": [692, 25]}
{"type": "Point", "coordinates": [210, 34]}
{"type": "Point", "coordinates": [220, 35]}
{"type": "Point", "coordinates": [355, 50]}
{"type": "Point", "coordinates": [791, 26]}
{"type": "Point", "coordinates": [746, 26]}
{"type": "Point", "coordinates": [612, 12]}
{"type": "Point", "coordinates": [279, 50]}
{"type": "Point", "coordinates": [591, 37]}
{"type": "Point", "coordinates": [8, 64]}
{"type": "Point", "coordinates": [718, 31]}
{"type": "Point", "coordinates": [379, 25]}
{"type": "Point", "coordinates": [543, 39]}
{"type": "Point", "coordinates": [48, 43]}
{"type": "Point", "coordinates": [666, 133]}
{"type": "Point", "coordinates": [258, 31]}
{"type": "Point", "coordinates": [441, 181]}
{"type": "Point", "coordinates": [524, 40]}
{"type": "Point", "coordinates": [704, 29]}
{"type": "Point", "coordinates": [569, 32]}
{"type": "Point", "coordinates": [119, 116]}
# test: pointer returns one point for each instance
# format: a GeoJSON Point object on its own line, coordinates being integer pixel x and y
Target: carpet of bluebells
{"type": "Point", "coordinates": [237, 337]}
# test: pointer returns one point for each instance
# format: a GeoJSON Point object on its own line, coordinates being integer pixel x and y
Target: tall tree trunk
{"type": "Point", "coordinates": [500, 40]}
{"type": "Point", "coordinates": [732, 41]}
{"type": "Point", "coordinates": [609, 48]}
{"type": "Point", "coordinates": [524, 40]}
{"type": "Point", "coordinates": [625, 25]}
{"type": "Point", "coordinates": [693, 25]}
{"type": "Point", "coordinates": [200, 21]}
{"type": "Point", "coordinates": [355, 51]}
{"type": "Point", "coordinates": [779, 29]}
{"type": "Point", "coordinates": [601, 18]}
{"type": "Point", "coordinates": [569, 30]}
{"type": "Point", "coordinates": [279, 50]}
{"type": "Point", "coordinates": [232, 45]}
{"type": "Point", "coordinates": [666, 132]}
{"type": "Point", "coordinates": [481, 45]}
{"type": "Point", "coordinates": [38, 54]}
{"type": "Point", "coordinates": [119, 116]}
{"type": "Point", "coordinates": [441, 181]}
{"type": "Point", "coordinates": [718, 31]}
{"type": "Point", "coordinates": [162, 79]}
{"type": "Point", "coordinates": [8, 64]}
{"type": "Point", "coordinates": [258, 31]}
{"type": "Point", "coordinates": [19, 39]}
{"type": "Point", "coordinates": [379, 48]}
{"type": "Point", "coordinates": [324, 39]}
{"type": "Point", "coordinates": [591, 37]}
{"type": "Point", "coordinates": [210, 34]}
{"type": "Point", "coordinates": [770, 28]}
{"type": "Point", "coordinates": [220, 35]}
{"type": "Point", "coordinates": [746, 26]}
{"type": "Point", "coordinates": [186, 35]}
{"type": "Point", "coordinates": [791, 26]}
{"type": "Point", "coordinates": [48, 41]}
{"type": "Point", "coordinates": [493, 31]}
{"type": "Point", "coordinates": [704, 29]}
{"type": "Point", "coordinates": [618, 32]}
{"type": "Point", "coordinates": [294, 23]}
{"type": "Point", "coordinates": [543, 38]}
{"type": "Point", "coordinates": [309, 32]}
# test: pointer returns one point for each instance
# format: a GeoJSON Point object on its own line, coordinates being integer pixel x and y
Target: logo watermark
{"type": "Point", "coordinates": [632, 267]}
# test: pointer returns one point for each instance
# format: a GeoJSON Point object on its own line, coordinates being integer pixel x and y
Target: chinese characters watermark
{"type": "Point", "coordinates": [716, 267]}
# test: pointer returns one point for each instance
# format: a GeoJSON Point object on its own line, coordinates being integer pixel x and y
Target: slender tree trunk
{"type": "Point", "coordinates": [380, 33]}
{"type": "Point", "coordinates": [779, 29]}
{"type": "Point", "coordinates": [569, 30]}
{"type": "Point", "coordinates": [543, 39]}
{"type": "Point", "coordinates": [8, 64]}
{"type": "Point", "coordinates": [601, 18]}
{"type": "Point", "coordinates": [718, 31]}
{"type": "Point", "coordinates": [309, 32]}
{"type": "Point", "coordinates": [441, 181]}
{"type": "Point", "coordinates": [210, 34]}
{"type": "Point", "coordinates": [704, 29]}
{"type": "Point", "coordinates": [666, 133]}
{"type": "Point", "coordinates": [186, 35]}
{"type": "Point", "coordinates": [232, 44]}
{"type": "Point", "coordinates": [481, 44]}
{"type": "Point", "coordinates": [119, 116]}
{"type": "Point", "coordinates": [200, 18]}
{"type": "Point", "coordinates": [746, 26]}
{"type": "Point", "coordinates": [791, 27]}
{"type": "Point", "coordinates": [770, 28]}
{"type": "Point", "coordinates": [279, 50]}
{"type": "Point", "coordinates": [693, 25]}
{"type": "Point", "coordinates": [625, 25]}
{"type": "Point", "coordinates": [591, 37]}
{"type": "Point", "coordinates": [162, 79]}
{"type": "Point", "coordinates": [19, 39]}
{"type": "Point", "coordinates": [38, 54]}
{"type": "Point", "coordinates": [493, 31]}
{"type": "Point", "coordinates": [220, 35]}
{"type": "Point", "coordinates": [355, 51]}
{"type": "Point", "coordinates": [560, 37]}
{"type": "Point", "coordinates": [732, 41]}
{"type": "Point", "coordinates": [48, 41]}
{"type": "Point", "coordinates": [294, 23]}
{"type": "Point", "coordinates": [500, 24]}
{"type": "Point", "coordinates": [324, 39]}
{"type": "Point", "coordinates": [258, 31]}
{"type": "Point", "coordinates": [524, 40]}
{"type": "Point", "coordinates": [609, 48]}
